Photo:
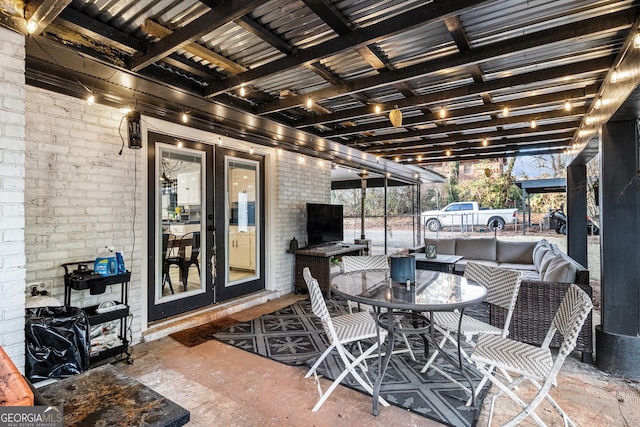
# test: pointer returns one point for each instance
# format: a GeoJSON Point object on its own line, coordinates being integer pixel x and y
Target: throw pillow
{"type": "Point", "coordinates": [560, 270]}
{"type": "Point", "coordinates": [546, 260]}
{"type": "Point", "coordinates": [539, 250]}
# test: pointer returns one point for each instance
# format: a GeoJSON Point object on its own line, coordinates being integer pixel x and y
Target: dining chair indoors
{"type": "Point", "coordinates": [362, 264]}
{"type": "Point", "coordinates": [167, 248]}
{"type": "Point", "coordinates": [188, 253]}
{"type": "Point", "coordinates": [532, 363]}
{"type": "Point", "coordinates": [342, 330]}
{"type": "Point", "coordinates": [502, 290]}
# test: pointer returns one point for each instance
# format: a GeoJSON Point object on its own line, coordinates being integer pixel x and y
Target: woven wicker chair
{"type": "Point", "coordinates": [532, 363]}
{"type": "Point", "coordinates": [342, 330]}
{"type": "Point", "coordinates": [502, 290]}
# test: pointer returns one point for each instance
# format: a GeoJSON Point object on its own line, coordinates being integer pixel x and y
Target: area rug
{"type": "Point", "coordinates": [294, 336]}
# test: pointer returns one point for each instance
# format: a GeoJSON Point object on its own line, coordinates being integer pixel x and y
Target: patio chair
{"type": "Point", "coordinates": [502, 290]}
{"type": "Point", "coordinates": [362, 264]}
{"type": "Point", "coordinates": [343, 330]}
{"type": "Point", "coordinates": [533, 363]}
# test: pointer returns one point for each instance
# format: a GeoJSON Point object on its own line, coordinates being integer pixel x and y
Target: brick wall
{"type": "Point", "coordinates": [299, 180]}
{"type": "Point", "coordinates": [12, 171]}
{"type": "Point", "coordinates": [80, 194]}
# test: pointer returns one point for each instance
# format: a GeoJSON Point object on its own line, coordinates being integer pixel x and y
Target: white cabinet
{"type": "Point", "coordinates": [242, 251]}
{"type": "Point", "coordinates": [189, 188]}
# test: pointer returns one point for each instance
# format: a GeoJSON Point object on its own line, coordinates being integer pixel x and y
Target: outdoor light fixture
{"type": "Point", "coordinates": [395, 117]}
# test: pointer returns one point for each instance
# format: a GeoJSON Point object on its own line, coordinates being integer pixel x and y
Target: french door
{"type": "Point", "coordinates": [180, 226]}
{"type": "Point", "coordinates": [205, 225]}
{"type": "Point", "coordinates": [240, 227]}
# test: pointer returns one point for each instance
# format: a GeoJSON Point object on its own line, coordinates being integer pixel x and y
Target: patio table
{"type": "Point", "coordinates": [432, 291]}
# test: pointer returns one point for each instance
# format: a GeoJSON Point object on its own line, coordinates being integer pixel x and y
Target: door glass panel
{"type": "Point", "coordinates": [242, 220]}
{"type": "Point", "coordinates": [180, 214]}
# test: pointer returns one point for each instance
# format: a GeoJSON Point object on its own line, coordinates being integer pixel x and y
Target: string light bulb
{"type": "Point", "coordinates": [485, 142]}
{"type": "Point", "coordinates": [443, 113]}
{"type": "Point", "coordinates": [615, 76]}
{"type": "Point", "coordinates": [534, 124]}
{"type": "Point", "coordinates": [567, 106]}
{"type": "Point", "coordinates": [309, 103]}
{"type": "Point", "coordinates": [447, 153]}
{"type": "Point", "coordinates": [91, 99]}
{"type": "Point", "coordinates": [377, 108]}
{"type": "Point", "coordinates": [636, 40]}
{"type": "Point", "coordinates": [184, 118]}
{"type": "Point", "coordinates": [179, 144]}
{"type": "Point", "coordinates": [32, 26]}
{"type": "Point", "coordinates": [251, 150]}
{"type": "Point", "coordinates": [505, 111]}
{"type": "Point", "coordinates": [219, 141]}
{"type": "Point", "coordinates": [243, 91]}
{"type": "Point", "coordinates": [598, 104]}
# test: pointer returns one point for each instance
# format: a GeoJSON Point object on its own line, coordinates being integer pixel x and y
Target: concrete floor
{"type": "Point", "coordinates": [223, 385]}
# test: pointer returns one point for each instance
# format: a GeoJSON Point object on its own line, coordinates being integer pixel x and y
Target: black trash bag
{"type": "Point", "coordinates": [58, 342]}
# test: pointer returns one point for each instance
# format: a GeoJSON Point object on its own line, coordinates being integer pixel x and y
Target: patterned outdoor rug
{"type": "Point", "coordinates": [294, 336]}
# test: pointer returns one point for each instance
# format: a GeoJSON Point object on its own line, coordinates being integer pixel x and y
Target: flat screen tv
{"type": "Point", "coordinates": [324, 224]}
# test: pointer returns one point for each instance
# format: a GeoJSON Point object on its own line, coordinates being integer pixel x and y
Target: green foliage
{"type": "Point", "coordinates": [494, 188]}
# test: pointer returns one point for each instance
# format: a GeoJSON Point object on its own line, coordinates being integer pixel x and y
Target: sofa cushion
{"type": "Point", "coordinates": [561, 270]}
{"type": "Point", "coordinates": [541, 248]}
{"type": "Point", "coordinates": [519, 267]}
{"type": "Point", "coordinates": [515, 252]}
{"type": "Point", "coordinates": [546, 260]}
{"type": "Point", "coordinates": [477, 249]}
{"type": "Point", "coordinates": [443, 246]}
{"type": "Point", "coordinates": [462, 264]}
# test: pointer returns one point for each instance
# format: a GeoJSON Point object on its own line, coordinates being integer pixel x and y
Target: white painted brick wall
{"type": "Point", "coordinates": [299, 180]}
{"type": "Point", "coordinates": [12, 172]}
{"type": "Point", "coordinates": [80, 194]}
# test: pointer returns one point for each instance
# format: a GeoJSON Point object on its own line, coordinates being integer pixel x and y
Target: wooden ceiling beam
{"type": "Point", "coordinates": [330, 15]}
{"type": "Point", "coordinates": [159, 31]}
{"type": "Point", "coordinates": [224, 13]}
{"type": "Point", "coordinates": [423, 15]}
{"type": "Point", "coordinates": [97, 30]}
{"type": "Point", "coordinates": [591, 26]}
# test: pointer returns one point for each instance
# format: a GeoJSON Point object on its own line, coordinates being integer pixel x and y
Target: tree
{"type": "Point", "coordinates": [494, 187]}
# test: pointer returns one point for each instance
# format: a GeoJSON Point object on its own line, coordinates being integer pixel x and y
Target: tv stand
{"type": "Point", "coordinates": [318, 259]}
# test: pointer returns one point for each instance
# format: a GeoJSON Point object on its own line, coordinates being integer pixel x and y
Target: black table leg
{"type": "Point", "coordinates": [382, 367]}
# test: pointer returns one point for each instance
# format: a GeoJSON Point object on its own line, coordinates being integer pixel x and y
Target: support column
{"type": "Point", "coordinates": [618, 337]}
{"type": "Point", "coordinates": [577, 213]}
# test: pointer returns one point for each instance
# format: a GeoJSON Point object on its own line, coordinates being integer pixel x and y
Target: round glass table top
{"type": "Point", "coordinates": [432, 290]}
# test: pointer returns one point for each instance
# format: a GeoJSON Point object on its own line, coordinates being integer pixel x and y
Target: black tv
{"type": "Point", "coordinates": [324, 224]}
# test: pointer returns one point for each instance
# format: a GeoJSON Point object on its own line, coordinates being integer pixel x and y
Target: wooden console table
{"type": "Point", "coordinates": [319, 262]}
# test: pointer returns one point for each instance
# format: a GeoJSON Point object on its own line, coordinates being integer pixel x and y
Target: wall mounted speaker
{"type": "Point", "coordinates": [133, 126]}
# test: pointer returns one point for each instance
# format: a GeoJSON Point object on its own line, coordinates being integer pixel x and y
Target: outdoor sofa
{"type": "Point", "coordinates": [547, 273]}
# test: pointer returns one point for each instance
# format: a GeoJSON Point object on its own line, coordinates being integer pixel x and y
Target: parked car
{"type": "Point", "coordinates": [468, 213]}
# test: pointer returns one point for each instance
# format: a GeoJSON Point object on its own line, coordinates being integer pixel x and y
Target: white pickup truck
{"type": "Point", "coordinates": [466, 214]}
